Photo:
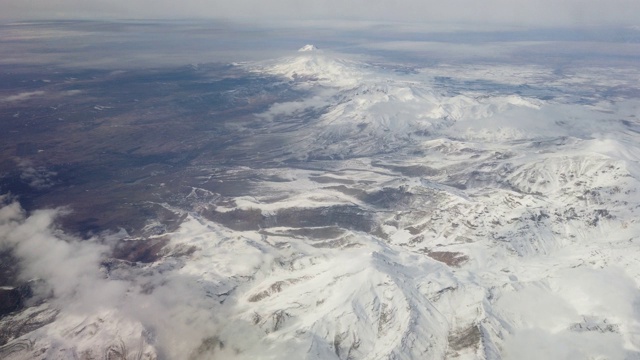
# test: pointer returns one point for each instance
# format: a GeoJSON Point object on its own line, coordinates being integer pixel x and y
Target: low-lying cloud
{"type": "Point", "coordinates": [37, 177]}
{"type": "Point", "coordinates": [148, 310]}
{"type": "Point", "coordinates": [22, 96]}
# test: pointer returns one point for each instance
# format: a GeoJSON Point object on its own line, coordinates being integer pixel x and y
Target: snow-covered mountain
{"type": "Point", "coordinates": [396, 219]}
{"type": "Point", "coordinates": [308, 47]}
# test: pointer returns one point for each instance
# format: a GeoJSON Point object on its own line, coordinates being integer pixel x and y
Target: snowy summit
{"type": "Point", "coordinates": [308, 47]}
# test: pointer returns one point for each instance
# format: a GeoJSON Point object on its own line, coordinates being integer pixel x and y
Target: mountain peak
{"type": "Point", "coordinates": [308, 47]}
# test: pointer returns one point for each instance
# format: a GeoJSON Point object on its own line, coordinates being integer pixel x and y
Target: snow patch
{"type": "Point", "coordinates": [308, 47]}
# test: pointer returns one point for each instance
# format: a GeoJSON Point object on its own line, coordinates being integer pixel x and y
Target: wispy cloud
{"type": "Point", "coordinates": [37, 177]}
{"type": "Point", "coordinates": [22, 96]}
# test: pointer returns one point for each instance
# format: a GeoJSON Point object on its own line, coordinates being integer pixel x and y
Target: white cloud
{"type": "Point", "coordinates": [112, 303]}
{"type": "Point", "coordinates": [591, 299]}
{"type": "Point", "coordinates": [22, 96]}
{"type": "Point", "coordinates": [68, 265]}
{"type": "Point", "coordinates": [37, 177]}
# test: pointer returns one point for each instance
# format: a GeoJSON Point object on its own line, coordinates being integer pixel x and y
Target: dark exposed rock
{"type": "Point", "coordinates": [144, 251]}
{"type": "Point", "coordinates": [411, 170]}
{"type": "Point", "coordinates": [276, 287]}
{"type": "Point", "coordinates": [322, 233]}
{"type": "Point", "coordinates": [9, 268]}
{"type": "Point", "coordinates": [10, 300]}
{"type": "Point", "coordinates": [241, 220]}
{"type": "Point", "coordinates": [344, 216]}
{"type": "Point", "coordinates": [330, 180]}
{"type": "Point", "coordinates": [450, 258]}
{"type": "Point", "coordinates": [279, 318]}
{"type": "Point", "coordinates": [598, 215]}
{"type": "Point", "coordinates": [17, 346]}
{"type": "Point", "coordinates": [464, 339]}
{"type": "Point", "coordinates": [357, 193]}
{"type": "Point", "coordinates": [207, 348]}
{"type": "Point", "coordinates": [594, 324]}
{"type": "Point", "coordinates": [19, 323]}
{"type": "Point", "coordinates": [388, 197]}
{"type": "Point", "coordinates": [13, 292]}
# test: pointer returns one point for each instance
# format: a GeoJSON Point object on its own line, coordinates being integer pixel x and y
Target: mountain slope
{"type": "Point", "coordinates": [391, 218]}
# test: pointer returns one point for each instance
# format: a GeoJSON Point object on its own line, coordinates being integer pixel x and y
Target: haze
{"type": "Point", "coordinates": [540, 13]}
{"type": "Point", "coordinates": [321, 180]}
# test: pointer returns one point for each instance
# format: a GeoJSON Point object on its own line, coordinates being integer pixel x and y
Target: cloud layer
{"type": "Point", "coordinates": [520, 12]}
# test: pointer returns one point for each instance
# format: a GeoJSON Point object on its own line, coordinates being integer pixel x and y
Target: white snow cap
{"type": "Point", "coordinates": [308, 47]}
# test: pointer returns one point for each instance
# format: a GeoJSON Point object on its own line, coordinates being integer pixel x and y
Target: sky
{"type": "Point", "coordinates": [539, 13]}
